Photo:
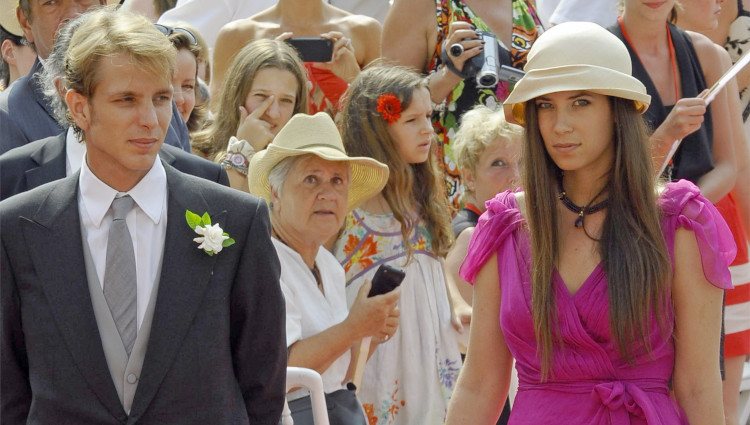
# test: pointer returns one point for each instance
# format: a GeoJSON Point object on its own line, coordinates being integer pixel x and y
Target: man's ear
{"type": "Point", "coordinates": [78, 106]}
{"type": "Point", "coordinates": [25, 23]}
{"type": "Point", "coordinates": [7, 52]}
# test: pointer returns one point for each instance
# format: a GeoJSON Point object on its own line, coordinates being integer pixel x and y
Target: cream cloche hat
{"type": "Point", "coordinates": [317, 135]}
{"type": "Point", "coordinates": [576, 56]}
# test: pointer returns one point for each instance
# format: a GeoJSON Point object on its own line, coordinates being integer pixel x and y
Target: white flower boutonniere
{"type": "Point", "coordinates": [213, 238]}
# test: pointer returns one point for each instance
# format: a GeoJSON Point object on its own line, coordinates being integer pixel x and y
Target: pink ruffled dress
{"type": "Point", "coordinates": [591, 383]}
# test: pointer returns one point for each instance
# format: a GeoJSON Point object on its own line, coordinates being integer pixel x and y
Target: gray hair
{"type": "Point", "coordinates": [54, 70]}
{"type": "Point", "coordinates": [280, 171]}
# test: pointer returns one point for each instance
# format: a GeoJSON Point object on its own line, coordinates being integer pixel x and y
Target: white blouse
{"type": "Point", "coordinates": [310, 311]}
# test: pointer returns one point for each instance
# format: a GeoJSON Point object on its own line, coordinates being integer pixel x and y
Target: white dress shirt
{"type": "Point", "coordinates": [310, 311]}
{"type": "Point", "coordinates": [147, 223]}
{"type": "Point", "coordinates": [74, 152]}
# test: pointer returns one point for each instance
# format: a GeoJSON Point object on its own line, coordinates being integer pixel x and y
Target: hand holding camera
{"type": "Point", "coordinates": [463, 43]}
{"type": "Point", "coordinates": [489, 63]}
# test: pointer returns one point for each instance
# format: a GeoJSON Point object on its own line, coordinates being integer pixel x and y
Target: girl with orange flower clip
{"type": "Point", "coordinates": [410, 377]}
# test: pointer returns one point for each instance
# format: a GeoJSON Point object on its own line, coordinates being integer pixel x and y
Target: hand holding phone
{"type": "Point", "coordinates": [386, 279]}
{"type": "Point", "coordinates": [312, 49]}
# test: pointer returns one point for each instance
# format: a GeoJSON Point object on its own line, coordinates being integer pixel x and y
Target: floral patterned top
{"type": "Point", "coordinates": [409, 379]}
{"type": "Point", "coordinates": [526, 29]}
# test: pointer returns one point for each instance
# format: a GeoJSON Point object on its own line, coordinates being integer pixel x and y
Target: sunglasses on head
{"type": "Point", "coordinates": [177, 30]}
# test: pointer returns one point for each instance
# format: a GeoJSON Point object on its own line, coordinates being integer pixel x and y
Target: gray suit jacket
{"type": "Point", "coordinates": [217, 349]}
{"type": "Point", "coordinates": [26, 115]}
{"type": "Point", "coordinates": [43, 161]}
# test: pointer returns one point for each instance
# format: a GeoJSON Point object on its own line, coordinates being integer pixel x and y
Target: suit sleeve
{"type": "Point", "coordinates": [15, 390]}
{"type": "Point", "coordinates": [258, 325]}
{"type": "Point", "coordinates": [10, 136]}
{"type": "Point", "coordinates": [223, 178]}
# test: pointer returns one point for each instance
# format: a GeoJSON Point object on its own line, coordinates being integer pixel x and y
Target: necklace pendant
{"type": "Point", "coordinates": [579, 221]}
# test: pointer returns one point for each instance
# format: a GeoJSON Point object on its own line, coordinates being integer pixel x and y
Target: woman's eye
{"type": "Point", "coordinates": [543, 105]}
{"type": "Point", "coordinates": [498, 163]}
{"type": "Point", "coordinates": [289, 101]}
{"type": "Point", "coordinates": [581, 102]}
{"type": "Point", "coordinates": [337, 180]}
{"type": "Point", "coordinates": [311, 179]}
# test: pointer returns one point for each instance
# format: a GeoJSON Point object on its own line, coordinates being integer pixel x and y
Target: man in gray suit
{"type": "Point", "coordinates": [114, 309]}
{"type": "Point", "coordinates": [25, 113]}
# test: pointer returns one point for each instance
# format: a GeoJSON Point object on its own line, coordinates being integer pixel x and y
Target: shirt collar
{"type": "Point", "coordinates": [149, 194]}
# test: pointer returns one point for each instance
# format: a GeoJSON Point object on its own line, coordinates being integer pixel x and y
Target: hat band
{"type": "Point", "coordinates": [318, 145]}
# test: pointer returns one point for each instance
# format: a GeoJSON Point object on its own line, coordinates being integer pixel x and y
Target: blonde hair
{"type": "Point", "coordinates": [107, 32]}
{"type": "Point", "coordinates": [413, 191]}
{"type": "Point", "coordinates": [256, 56]}
{"type": "Point", "coordinates": [479, 128]}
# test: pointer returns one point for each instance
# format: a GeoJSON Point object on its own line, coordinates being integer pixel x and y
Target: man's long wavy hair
{"type": "Point", "coordinates": [632, 247]}
{"type": "Point", "coordinates": [413, 191]}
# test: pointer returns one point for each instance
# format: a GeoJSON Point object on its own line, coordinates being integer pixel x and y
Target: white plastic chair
{"type": "Point", "coordinates": [310, 379]}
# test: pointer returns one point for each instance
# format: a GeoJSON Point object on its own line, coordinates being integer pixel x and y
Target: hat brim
{"type": "Point", "coordinates": [591, 78]}
{"type": "Point", "coordinates": [367, 176]}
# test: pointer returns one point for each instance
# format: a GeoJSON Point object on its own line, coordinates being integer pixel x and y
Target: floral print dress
{"type": "Point", "coordinates": [409, 379]}
{"type": "Point", "coordinates": [526, 29]}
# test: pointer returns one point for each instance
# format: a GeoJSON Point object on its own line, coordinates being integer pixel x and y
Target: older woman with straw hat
{"type": "Point", "coordinates": [311, 184]}
{"type": "Point", "coordinates": [618, 320]}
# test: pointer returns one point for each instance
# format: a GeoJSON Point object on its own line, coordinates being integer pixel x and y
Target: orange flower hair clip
{"type": "Point", "coordinates": [389, 107]}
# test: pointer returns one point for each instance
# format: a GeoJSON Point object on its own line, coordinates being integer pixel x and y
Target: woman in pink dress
{"type": "Point", "coordinates": [607, 286]}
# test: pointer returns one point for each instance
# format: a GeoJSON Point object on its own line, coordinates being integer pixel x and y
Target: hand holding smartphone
{"type": "Point", "coordinates": [312, 49]}
{"type": "Point", "coordinates": [386, 279]}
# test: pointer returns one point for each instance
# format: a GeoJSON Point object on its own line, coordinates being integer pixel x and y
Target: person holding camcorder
{"type": "Point", "coordinates": [472, 54]}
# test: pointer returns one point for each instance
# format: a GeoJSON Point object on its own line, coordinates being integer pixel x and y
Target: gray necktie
{"type": "Point", "coordinates": [120, 274]}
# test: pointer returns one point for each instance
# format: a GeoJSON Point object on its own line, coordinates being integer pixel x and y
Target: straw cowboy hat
{"type": "Point", "coordinates": [316, 134]}
{"type": "Point", "coordinates": [8, 17]}
{"type": "Point", "coordinates": [576, 56]}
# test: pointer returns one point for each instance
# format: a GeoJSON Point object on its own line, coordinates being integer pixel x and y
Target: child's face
{"type": "Point", "coordinates": [413, 133]}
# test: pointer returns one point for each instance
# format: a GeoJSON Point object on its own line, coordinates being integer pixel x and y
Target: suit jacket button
{"type": "Point", "coordinates": [132, 378]}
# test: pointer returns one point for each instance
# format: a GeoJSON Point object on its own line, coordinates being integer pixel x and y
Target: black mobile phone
{"type": "Point", "coordinates": [312, 49]}
{"type": "Point", "coordinates": [386, 279]}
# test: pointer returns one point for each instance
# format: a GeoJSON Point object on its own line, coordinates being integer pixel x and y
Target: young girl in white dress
{"type": "Point", "coordinates": [409, 378]}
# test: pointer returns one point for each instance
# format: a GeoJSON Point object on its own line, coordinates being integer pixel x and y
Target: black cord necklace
{"type": "Point", "coordinates": [581, 211]}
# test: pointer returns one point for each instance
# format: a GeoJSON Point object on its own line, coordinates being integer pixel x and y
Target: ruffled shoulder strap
{"type": "Point", "coordinates": [495, 226]}
{"type": "Point", "coordinates": [683, 205]}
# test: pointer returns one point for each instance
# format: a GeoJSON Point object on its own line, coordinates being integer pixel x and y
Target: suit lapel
{"type": "Point", "coordinates": [50, 158]}
{"type": "Point", "coordinates": [63, 277]}
{"type": "Point", "coordinates": [185, 273]}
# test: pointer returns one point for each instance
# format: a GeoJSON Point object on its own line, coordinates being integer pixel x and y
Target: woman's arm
{"type": "Point", "coordinates": [232, 37]}
{"type": "Point", "coordinates": [483, 384]}
{"type": "Point", "coordinates": [720, 180]}
{"type": "Point", "coordinates": [367, 317]}
{"type": "Point", "coordinates": [407, 31]}
{"type": "Point", "coordinates": [459, 289]}
{"type": "Point", "coordinates": [697, 309]}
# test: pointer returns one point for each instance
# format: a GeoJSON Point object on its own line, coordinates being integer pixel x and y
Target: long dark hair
{"type": "Point", "coordinates": [632, 247]}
